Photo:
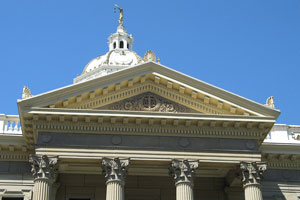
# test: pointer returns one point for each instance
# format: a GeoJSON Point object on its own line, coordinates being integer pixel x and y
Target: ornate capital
{"type": "Point", "coordinates": [252, 172]}
{"type": "Point", "coordinates": [115, 169]}
{"type": "Point", "coordinates": [183, 171]}
{"type": "Point", "coordinates": [43, 166]}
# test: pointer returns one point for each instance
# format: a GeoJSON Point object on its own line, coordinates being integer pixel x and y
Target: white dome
{"type": "Point", "coordinates": [120, 56]}
{"type": "Point", "coordinates": [115, 59]}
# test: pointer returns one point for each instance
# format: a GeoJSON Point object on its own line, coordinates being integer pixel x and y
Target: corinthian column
{"type": "Point", "coordinates": [44, 170]}
{"type": "Point", "coordinates": [115, 171]}
{"type": "Point", "coordinates": [183, 172]}
{"type": "Point", "coordinates": [252, 176]}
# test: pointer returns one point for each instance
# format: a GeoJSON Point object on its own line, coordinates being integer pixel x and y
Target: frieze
{"type": "Point", "coordinates": [282, 175]}
{"type": "Point", "coordinates": [128, 141]}
{"type": "Point", "coordinates": [155, 130]}
{"type": "Point", "coordinates": [148, 102]}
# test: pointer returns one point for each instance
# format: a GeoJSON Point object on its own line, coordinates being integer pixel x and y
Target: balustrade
{"type": "Point", "coordinates": [10, 124]}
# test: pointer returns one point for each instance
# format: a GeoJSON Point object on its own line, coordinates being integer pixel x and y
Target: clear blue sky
{"type": "Point", "coordinates": [249, 47]}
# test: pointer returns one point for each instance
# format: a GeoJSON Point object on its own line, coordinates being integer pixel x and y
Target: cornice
{"type": "Point", "coordinates": [158, 71]}
{"type": "Point", "coordinates": [15, 155]}
{"type": "Point", "coordinates": [282, 158]}
{"type": "Point", "coordinates": [144, 122]}
{"type": "Point", "coordinates": [146, 130]}
{"type": "Point", "coordinates": [114, 113]}
{"type": "Point", "coordinates": [283, 165]}
{"type": "Point", "coordinates": [280, 148]}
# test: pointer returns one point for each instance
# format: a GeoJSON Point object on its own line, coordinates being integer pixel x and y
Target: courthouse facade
{"type": "Point", "coordinates": [131, 128]}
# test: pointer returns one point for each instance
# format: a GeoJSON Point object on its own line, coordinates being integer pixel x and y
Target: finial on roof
{"type": "Point", "coordinates": [121, 14]}
{"type": "Point", "coordinates": [270, 102]}
{"type": "Point", "coordinates": [150, 56]}
{"type": "Point", "coordinates": [158, 60]}
{"type": "Point", "coordinates": [26, 93]}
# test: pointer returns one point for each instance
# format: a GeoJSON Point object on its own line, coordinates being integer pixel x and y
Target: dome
{"type": "Point", "coordinates": [119, 56]}
{"type": "Point", "coordinates": [114, 59]}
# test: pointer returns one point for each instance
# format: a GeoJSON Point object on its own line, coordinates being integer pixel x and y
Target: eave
{"type": "Point", "coordinates": [162, 123]}
{"type": "Point", "coordinates": [161, 75]}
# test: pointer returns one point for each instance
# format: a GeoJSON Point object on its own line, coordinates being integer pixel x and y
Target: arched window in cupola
{"type": "Point", "coordinates": [115, 45]}
{"type": "Point", "coordinates": [127, 45]}
{"type": "Point", "coordinates": [121, 44]}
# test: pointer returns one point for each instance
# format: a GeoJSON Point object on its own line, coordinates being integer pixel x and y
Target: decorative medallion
{"type": "Point", "coordinates": [116, 140]}
{"type": "Point", "coordinates": [250, 145]}
{"type": "Point", "coordinates": [148, 102]}
{"type": "Point", "coordinates": [184, 142]}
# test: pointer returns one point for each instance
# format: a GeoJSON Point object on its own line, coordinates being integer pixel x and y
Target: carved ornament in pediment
{"type": "Point", "coordinates": [148, 102]}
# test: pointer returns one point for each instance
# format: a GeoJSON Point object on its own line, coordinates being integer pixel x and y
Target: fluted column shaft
{"type": "Point", "coordinates": [252, 177]}
{"type": "Point", "coordinates": [41, 189]}
{"type": "Point", "coordinates": [115, 171]}
{"type": "Point", "coordinates": [183, 172]}
{"type": "Point", "coordinates": [253, 192]}
{"type": "Point", "coordinates": [44, 170]}
{"type": "Point", "coordinates": [114, 190]}
{"type": "Point", "coordinates": [184, 191]}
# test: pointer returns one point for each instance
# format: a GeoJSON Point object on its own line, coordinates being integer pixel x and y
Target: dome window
{"type": "Point", "coordinates": [127, 46]}
{"type": "Point", "coordinates": [121, 44]}
{"type": "Point", "coordinates": [115, 45]}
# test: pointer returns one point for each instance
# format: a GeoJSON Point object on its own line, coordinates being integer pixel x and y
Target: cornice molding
{"type": "Point", "coordinates": [153, 130]}
{"type": "Point", "coordinates": [283, 165]}
{"type": "Point", "coordinates": [14, 156]}
{"type": "Point", "coordinates": [157, 70]}
{"type": "Point", "coordinates": [147, 122]}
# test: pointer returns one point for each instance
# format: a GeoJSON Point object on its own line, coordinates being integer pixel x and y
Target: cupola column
{"type": "Point", "coordinates": [252, 176]}
{"type": "Point", "coordinates": [115, 171]}
{"type": "Point", "coordinates": [44, 170]}
{"type": "Point", "coordinates": [183, 173]}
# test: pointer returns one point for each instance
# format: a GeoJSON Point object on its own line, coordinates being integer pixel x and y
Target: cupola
{"type": "Point", "coordinates": [119, 56]}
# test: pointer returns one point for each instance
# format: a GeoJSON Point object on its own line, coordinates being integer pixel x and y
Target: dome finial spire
{"type": "Point", "coordinates": [121, 15]}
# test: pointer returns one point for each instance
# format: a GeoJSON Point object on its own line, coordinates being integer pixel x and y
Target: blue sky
{"type": "Point", "coordinates": [250, 47]}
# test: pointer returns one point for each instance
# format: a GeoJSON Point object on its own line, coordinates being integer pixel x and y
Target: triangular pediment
{"type": "Point", "coordinates": [150, 77]}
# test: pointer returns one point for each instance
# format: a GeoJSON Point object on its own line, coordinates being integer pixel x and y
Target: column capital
{"type": "Point", "coordinates": [115, 169]}
{"type": "Point", "coordinates": [44, 167]}
{"type": "Point", "coordinates": [252, 172]}
{"type": "Point", "coordinates": [183, 171]}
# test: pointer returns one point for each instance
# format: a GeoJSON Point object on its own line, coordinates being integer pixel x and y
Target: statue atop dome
{"type": "Point", "coordinates": [121, 14]}
{"type": "Point", "coordinates": [119, 56]}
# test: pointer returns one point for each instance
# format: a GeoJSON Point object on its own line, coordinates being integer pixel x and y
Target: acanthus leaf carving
{"type": "Point", "coordinates": [115, 169]}
{"type": "Point", "coordinates": [43, 166]}
{"type": "Point", "coordinates": [183, 171]}
{"type": "Point", "coordinates": [252, 172]}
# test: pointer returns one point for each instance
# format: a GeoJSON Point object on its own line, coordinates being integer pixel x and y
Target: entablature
{"type": "Point", "coordinates": [149, 123]}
